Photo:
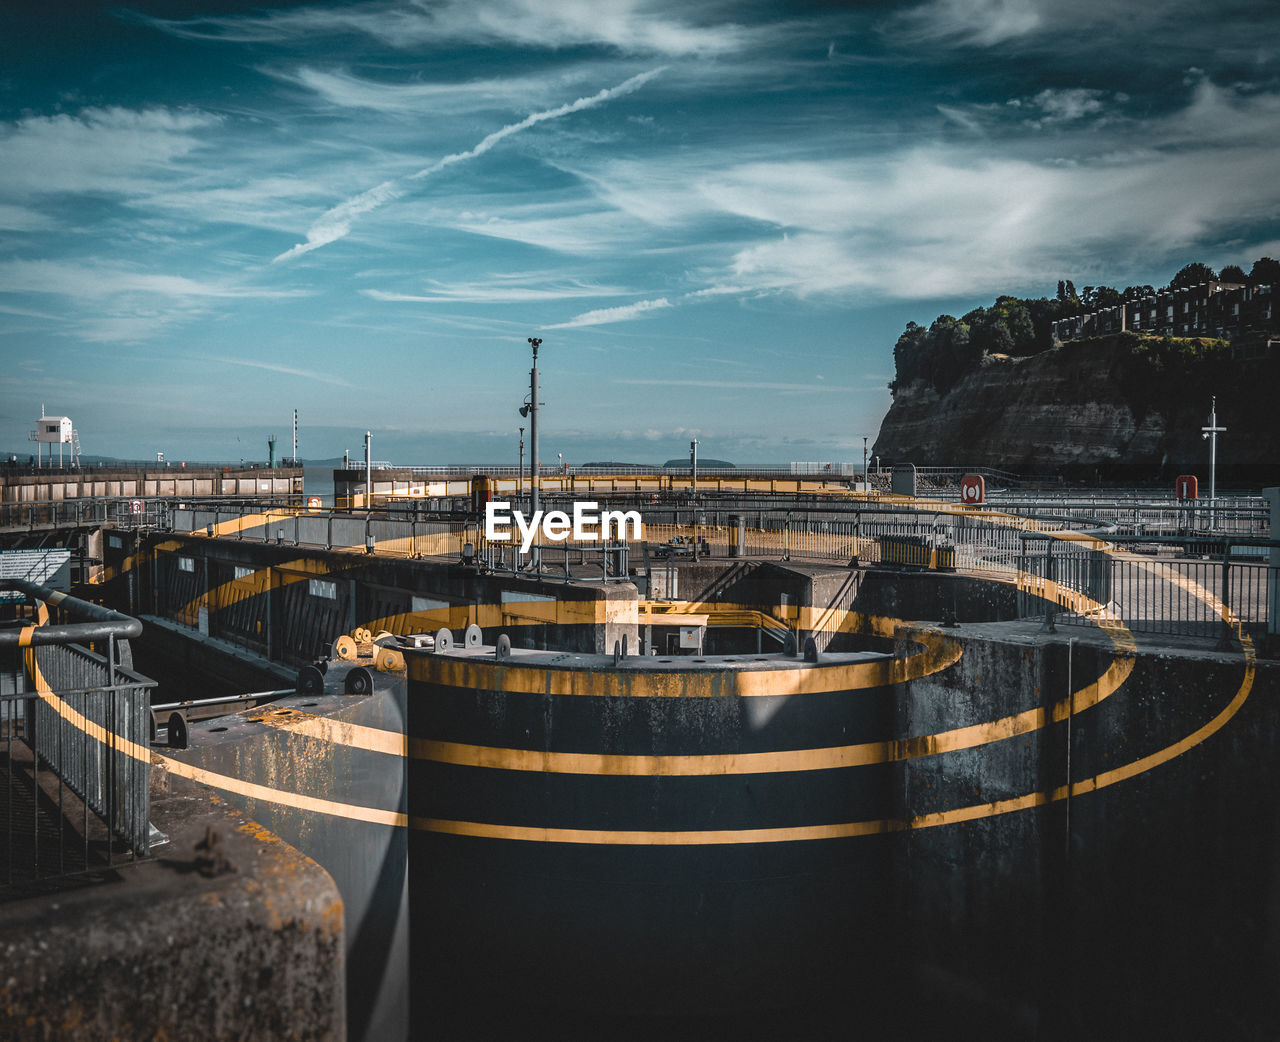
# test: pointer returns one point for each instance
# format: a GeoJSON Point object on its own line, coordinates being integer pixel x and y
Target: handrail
{"type": "Point", "coordinates": [104, 622]}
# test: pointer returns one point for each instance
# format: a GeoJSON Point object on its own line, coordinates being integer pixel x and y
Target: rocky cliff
{"type": "Point", "coordinates": [1123, 408]}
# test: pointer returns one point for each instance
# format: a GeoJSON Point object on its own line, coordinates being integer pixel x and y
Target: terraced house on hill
{"type": "Point", "coordinates": [1216, 309]}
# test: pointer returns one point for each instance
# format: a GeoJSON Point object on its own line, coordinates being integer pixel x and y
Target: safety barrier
{"type": "Point", "coordinates": [1187, 588]}
{"type": "Point", "coordinates": [74, 734]}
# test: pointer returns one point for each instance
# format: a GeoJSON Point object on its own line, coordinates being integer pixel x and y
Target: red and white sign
{"type": "Point", "coordinates": [136, 506]}
{"type": "Point", "coordinates": [313, 501]}
{"type": "Point", "coordinates": [1187, 487]}
{"type": "Point", "coordinates": [973, 489]}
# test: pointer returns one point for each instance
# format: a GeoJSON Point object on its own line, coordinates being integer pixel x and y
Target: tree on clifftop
{"type": "Point", "coordinates": [1192, 275]}
{"type": "Point", "coordinates": [1265, 272]}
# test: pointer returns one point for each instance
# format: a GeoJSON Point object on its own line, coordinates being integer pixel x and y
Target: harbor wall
{"type": "Point", "coordinates": [1047, 835]}
{"type": "Point", "coordinates": [61, 484]}
{"type": "Point", "coordinates": [1138, 904]}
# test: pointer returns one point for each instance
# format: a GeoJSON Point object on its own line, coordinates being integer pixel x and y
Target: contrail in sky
{"type": "Point", "coordinates": [336, 223]}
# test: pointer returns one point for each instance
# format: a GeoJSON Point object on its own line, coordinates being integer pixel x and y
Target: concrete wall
{"type": "Point", "coordinates": [1143, 907]}
{"type": "Point", "coordinates": [252, 949]}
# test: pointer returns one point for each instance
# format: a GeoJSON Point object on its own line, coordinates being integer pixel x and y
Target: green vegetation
{"type": "Point", "coordinates": [940, 354]}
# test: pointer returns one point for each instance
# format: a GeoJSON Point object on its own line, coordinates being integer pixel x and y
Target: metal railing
{"type": "Point", "coordinates": [1174, 589]}
{"type": "Point", "coordinates": [556, 561]}
{"type": "Point", "coordinates": [77, 513]}
{"type": "Point", "coordinates": [74, 743]}
{"type": "Point", "coordinates": [1145, 513]}
{"type": "Point", "coordinates": [1179, 588]}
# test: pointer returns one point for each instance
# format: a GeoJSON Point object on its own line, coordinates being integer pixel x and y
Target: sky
{"type": "Point", "coordinates": [717, 217]}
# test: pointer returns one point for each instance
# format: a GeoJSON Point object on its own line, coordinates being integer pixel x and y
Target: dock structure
{"type": "Point", "coordinates": [898, 760]}
{"type": "Point", "coordinates": [73, 507]}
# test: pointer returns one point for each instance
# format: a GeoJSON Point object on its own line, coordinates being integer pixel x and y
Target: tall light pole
{"type": "Point", "coordinates": [368, 469]}
{"type": "Point", "coordinates": [534, 468]}
{"type": "Point", "coordinates": [520, 494]}
{"type": "Point", "coordinates": [1211, 432]}
{"type": "Point", "coordinates": [866, 478]}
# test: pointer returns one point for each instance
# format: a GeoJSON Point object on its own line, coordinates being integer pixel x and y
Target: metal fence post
{"type": "Point", "coordinates": [1224, 641]}
{"type": "Point", "coordinates": [1048, 578]}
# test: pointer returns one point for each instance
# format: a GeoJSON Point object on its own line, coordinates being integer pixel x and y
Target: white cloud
{"type": "Point", "coordinates": [630, 26]}
{"type": "Point", "coordinates": [417, 98]}
{"type": "Point", "coordinates": [506, 291]}
{"type": "Point", "coordinates": [22, 219]}
{"type": "Point", "coordinates": [105, 279]}
{"type": "Point", "coordinates": [981, 23]}
{"type": "Point", "coordinates": [107, 301]}
{"type": "Point", "coordinates": [1007, 214]}
{"type": "Point", "coordinates": [336, 223]}
{"type": "Point", "coordinates": [604, 316]}
{"type": "Point", "coordinates": [112, 150]}
{"type": "Point", "coordinates": [287, 370]}
{"type": "Point", "coordinates": [239, 196]}
{"type": "Point", "coordinates": [1063, 105]}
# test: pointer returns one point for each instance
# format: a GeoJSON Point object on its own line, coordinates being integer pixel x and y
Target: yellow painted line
{"type": "Point", "coordinates": [790, 834]}
{"type": "Point", "coordinates": [336, 732]}
{"type": "Point", "coordinates": [384, 741]}
{"type": "Point", "coordinates": [224, 782]}
{"type": "Point", "coordinates": [940, 651]}
{"type": "Point", "coordinates": [1163, 571]}
{"type": "Point", "coordinates": [816, 759]}
{"type": "Point", "coordinates": [298, 801]}
{"type": "Point", "coordinates": [1168, 753]}
{"type": "Point", "coordinates": [854, 828]}
{"type": "Point", "coordinates": [655, 839]}
{"type": "Point", "coordinates": [824, 758]}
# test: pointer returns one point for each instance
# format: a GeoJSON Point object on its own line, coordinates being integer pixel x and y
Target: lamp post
{"type": "Point", "coordinates": [866, 478]}
{"type": "Point", "coordinates": [520, 493]}
{"type": "Point", "coordinates": [368, 469]}
{"type": "Point", "coordinates": [531, 410]}
{"type": "Point", "coordinates": [1211, 432]}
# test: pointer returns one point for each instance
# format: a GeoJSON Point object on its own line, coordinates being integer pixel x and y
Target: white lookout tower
{"type": "Point", "coordinates": [55, 430]}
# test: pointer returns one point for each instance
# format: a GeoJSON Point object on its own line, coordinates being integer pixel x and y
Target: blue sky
{"type": "Point", "coordinates": [718, 217]}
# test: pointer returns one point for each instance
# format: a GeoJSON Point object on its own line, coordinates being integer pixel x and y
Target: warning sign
{"type": "Point", "coordinates": [50, 568]}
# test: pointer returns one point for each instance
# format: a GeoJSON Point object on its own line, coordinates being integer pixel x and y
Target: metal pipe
{"type": "Point", "coordinates": [223, 699]}
{"type": "Point", "coordinates": [104, 624]}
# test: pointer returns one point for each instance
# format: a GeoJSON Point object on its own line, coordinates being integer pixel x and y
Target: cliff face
{"type": "Point", "coordinates": [1094, 406]}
